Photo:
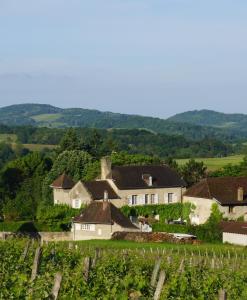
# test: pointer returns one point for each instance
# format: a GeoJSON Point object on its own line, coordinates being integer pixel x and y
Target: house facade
{"type": "Point", "coordinates": [124, 185]}
{"type": "Point", "coordinates": [229, 193]}
{"type": "Point", "coordinates": [99, 221]}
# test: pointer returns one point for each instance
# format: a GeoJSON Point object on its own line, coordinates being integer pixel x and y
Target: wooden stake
{"type": "Point", "coordinates": [155, 272]}
{"type": "Point", "coordinates": [222, 295]}
{"type": "Point", "coordinates": [24, 255]}
{"type": "Point", "coordinates": [160, 284]}
{"type": "Point", "coordinates": [56, 286]}
{"type": "Point", "coordinates": [86, 268]}
{"type": "Point", "coordinates": [36, 263]}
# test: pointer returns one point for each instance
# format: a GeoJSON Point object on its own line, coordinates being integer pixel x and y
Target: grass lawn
{"type": "Point", "coordinates": [215, 163]}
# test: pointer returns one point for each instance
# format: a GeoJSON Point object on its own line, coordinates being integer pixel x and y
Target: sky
{"type": "Point", "coordinates": [147, 57]}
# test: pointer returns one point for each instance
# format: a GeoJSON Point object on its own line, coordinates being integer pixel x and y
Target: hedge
{"type": "Point", "coordinates": [30, 226]}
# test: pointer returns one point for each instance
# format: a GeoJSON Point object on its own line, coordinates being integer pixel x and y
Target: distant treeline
{"type": "Point", "coordinates": [133, 141]}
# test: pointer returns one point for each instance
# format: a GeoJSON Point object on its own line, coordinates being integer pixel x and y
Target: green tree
{"type": "Point", "coordinates": [74, 163]}
{"type": "Point", "coordinates": [70, 141]}
{"type": "Point", "coordinates": [193, 171]}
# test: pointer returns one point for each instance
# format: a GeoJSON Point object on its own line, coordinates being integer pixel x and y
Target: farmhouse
{"type": "Point", "coordinates": [122, 185]}
{"type": "Point", "coordinates": [229, 193]}
{"type": "Point", "coordinates": [99, 221]}
{"type": "Point", "coordinates": [234, 233]}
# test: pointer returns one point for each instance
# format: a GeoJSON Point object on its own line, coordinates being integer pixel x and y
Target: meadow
{"type": "Point", "coordinates": [216, 162]}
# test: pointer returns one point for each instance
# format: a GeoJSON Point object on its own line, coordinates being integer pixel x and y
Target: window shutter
{"type": "Point", "coordinates": [156, 199]}
{"type": "Point", "coordinates": [129, 200]}
{"type": "Point", "coordinates": [166, 197]}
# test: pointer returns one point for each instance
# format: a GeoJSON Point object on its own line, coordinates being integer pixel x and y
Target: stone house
{"type": "Point", "coordinates": [123, 185]}
{"type": "Point", "coordinates": [234, 233]}
{"type": "Point", "coordinates": [99, 221]}
{"type": "Point", "coordinates": [229, 193]}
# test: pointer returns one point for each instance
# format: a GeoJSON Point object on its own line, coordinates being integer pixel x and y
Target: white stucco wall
{"type": "Point", "coordinates": [97, 231]}
{"type": "Point", "coordinates": [235, 238]}
{"type": "Point", "coordinates": [202, 211]}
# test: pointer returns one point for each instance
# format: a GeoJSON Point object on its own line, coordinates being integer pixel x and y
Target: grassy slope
{"type": "Point", "coordinates": [215, 163]}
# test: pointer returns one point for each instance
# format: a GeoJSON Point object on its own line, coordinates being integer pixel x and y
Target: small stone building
{"type": "Point", "coordinates": [234, 233]}
{"type": "Point", "coordinates": [99, 221]}
{"type": "Point", "coordinates": [229, 193]}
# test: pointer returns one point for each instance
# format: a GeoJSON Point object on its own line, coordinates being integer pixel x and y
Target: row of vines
{"type": "Point", "coordinates": [82, 271]}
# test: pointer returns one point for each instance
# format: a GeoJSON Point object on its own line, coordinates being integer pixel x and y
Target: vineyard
{"type": "Point", "coordinates": [97, 270]}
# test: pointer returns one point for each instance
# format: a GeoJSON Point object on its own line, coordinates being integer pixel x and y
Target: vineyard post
{"type": "Point", "coordinates": [36, 263]}
{"type": "Point", "coordinates": [56, 286]}
{"type": "Point", "coordinates": [24, 255]}
{"type": "Point", "coordinates": [222, 295]}
{"type": "Point", "coordinates": [155, 272]}
{"type": "Point", "coordinates": [86, 268]}
{"type": "Point", "coordinates": [160, 284]}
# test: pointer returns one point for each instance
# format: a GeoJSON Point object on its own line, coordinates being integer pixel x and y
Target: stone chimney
{"type": "Point", "coordinates": [240, 194]}
{"type": "Point", "coordinates": [106, 168]}
{"type": "Point", "coordinates": [106, 198]}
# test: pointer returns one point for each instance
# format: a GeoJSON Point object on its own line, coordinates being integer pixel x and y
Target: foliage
{"type": "Point", "coordinates": [173, 228]}
{"type": "Point", "coordinates": [124, 158]}
{"type": "Point", "coordinates": [193, 171]}
{"type": "Point", "coordinates": [190, 273]}
{"type": "Point", "coordinates": [56, 212]}
{"type": "Point", "coordinates": [233, 170]}
{"type": "Point", "coordinates": [21, 182]}
{"type": "Point", "coordinates": [165, 211]}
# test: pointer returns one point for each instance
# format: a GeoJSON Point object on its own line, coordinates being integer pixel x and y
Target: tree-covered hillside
{"type": "Point", "coordinates": [48, 116]}
{"type": "Point", "coordinates": [213, 119]}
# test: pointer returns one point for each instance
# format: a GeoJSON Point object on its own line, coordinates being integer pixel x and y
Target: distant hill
{"type": "Point", "coordinates": [213, 119]}
{"type": "Point", "coordinates": [188, 124]}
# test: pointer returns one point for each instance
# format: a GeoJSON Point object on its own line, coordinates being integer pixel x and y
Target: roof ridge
{"type": "Point", "coordinates": [209, 192]}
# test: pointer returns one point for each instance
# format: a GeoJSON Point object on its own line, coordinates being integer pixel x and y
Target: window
{"type": "Point", "coordinates": [146, 198]}
{"type": "Point", "coordinates": [134, 200]}
{"type": "Point", "coordinates": [152, 198]}
{"type": "Point", "coordinates": [88, 227]}
{"type": "Point", "coordinates": [230, 209]}
{"type": "Point", "coordinates": [77, 203]}
{"type": "Point", "coordinates": [170, 196]}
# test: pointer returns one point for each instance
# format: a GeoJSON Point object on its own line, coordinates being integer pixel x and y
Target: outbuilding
{"type": "Point", "coordinates": [99, 221]}
{"type": "Point", "coordinates": [234, 233]}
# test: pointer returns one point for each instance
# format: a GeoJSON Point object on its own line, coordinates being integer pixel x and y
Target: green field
{"type": "Point", "coordinates": [46, 117]}
{"type": "Point", "coordinates": [215, 163]}
{"type": "Point", "coordinates": [8, 138]}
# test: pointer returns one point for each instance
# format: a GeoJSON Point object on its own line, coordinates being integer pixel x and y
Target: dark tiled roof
{"type": "Point", "coordinates": [97, 189]}
{"type": "Point", "coordinates": [134, 177]}
{"type": "Point", "coordinates": [223, 189]}
{"type": "Point", "coordinates": [103, 212]}
{"type": "Point", "coordinates": [63, 182]}
{"type": "Point", "coordinates": [234, 227]}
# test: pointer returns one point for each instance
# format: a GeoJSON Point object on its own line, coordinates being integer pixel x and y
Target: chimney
{"type": "Point", "coordinates": [150, 181]}
{"type": "Point", "coordinates": [240, 194]}
{"type": "Point", "coordinates": [106, 168]}
{"type": "Point", "coordinates": [106, 196]}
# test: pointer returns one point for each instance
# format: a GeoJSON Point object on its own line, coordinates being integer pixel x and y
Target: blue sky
{"type": "Point", "coordinates": [149, 57]}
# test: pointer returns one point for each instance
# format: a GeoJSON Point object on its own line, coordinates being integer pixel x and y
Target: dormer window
{"type": "Point", "coordinates": [148, 179]}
